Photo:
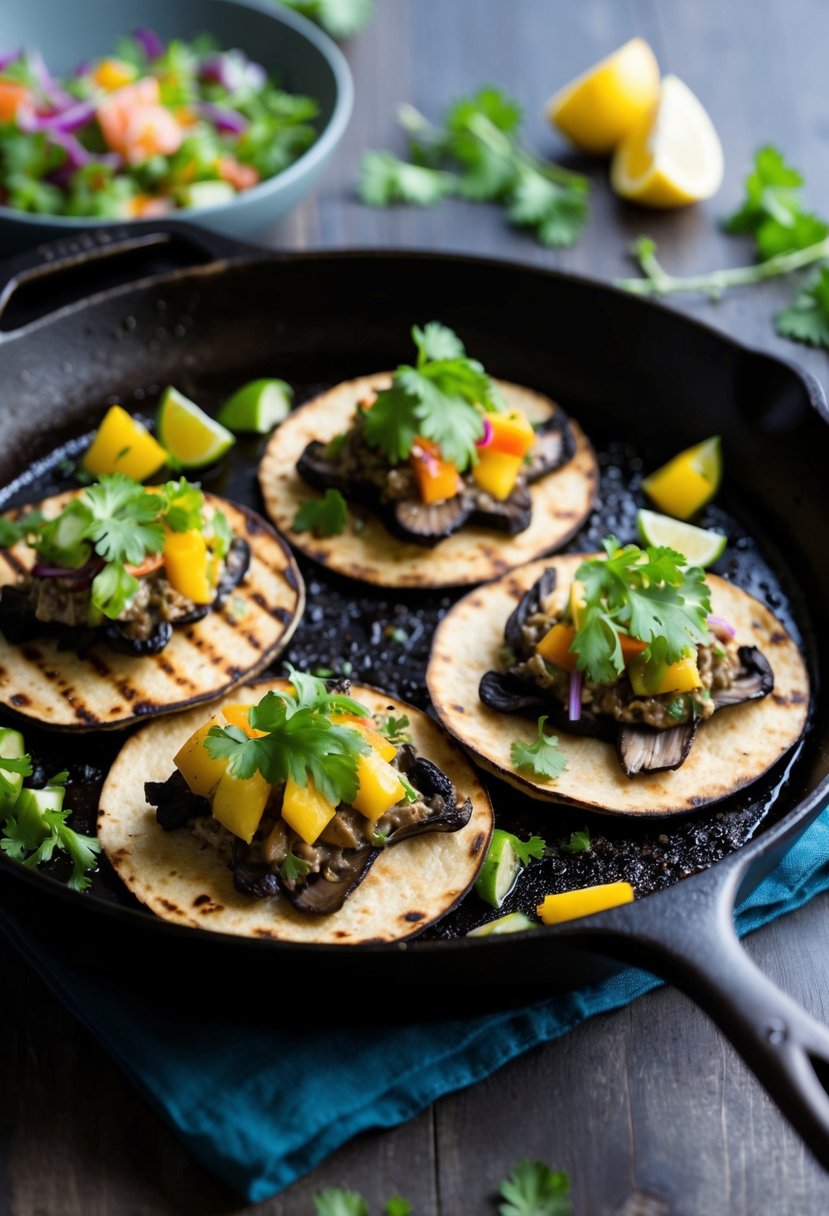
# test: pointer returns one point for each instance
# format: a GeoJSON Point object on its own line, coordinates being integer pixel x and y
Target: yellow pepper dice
{"type": "Point", "coordinates": [306, 810]}
{"type": "Point", "coordinates": [372, 736]}
{"type": "Point", "coordinates": [187, 563]}
{"type": "Point", "coordinates": [497, 472]}
{"type": "Point", "coordinates": [113, 74]}
{"type": "Point", "coordinates": [675, 677]}
{"type": "Point", "coordinates": [239, 803]}
{"type": "Point", "coordinates": [555, 646]}
{"type": "Point", "coordinates": [687, 482]}
{"type": "Point", "coordinates": [512, 434]}
{"type": "Point", "coordinates": [436, 479]}
{"type": "Point", "coordinates": [379, 789]}
{"type": "Point", "coordinates": [578, 602]}
{"type": "Point", "coordinates": [122, 445]}
{"type": "Point", "coordinates": [570, 905]}
{"type": "Point", "coordinates": [198, 768]}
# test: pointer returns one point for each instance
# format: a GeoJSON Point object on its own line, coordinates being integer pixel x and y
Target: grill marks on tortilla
{"type": "Point", "coordinates": [409, 886]}
{"type": "Point", "coordinates": [562, 500]}
{"type": "Point", "coordinates": [737, 746]}
{"type": "Point", "coordinates": [106, 689]}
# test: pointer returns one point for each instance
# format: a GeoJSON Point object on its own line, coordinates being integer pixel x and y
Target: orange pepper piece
{"type": "Point", "coordinates": [12, 97]}
{"type": "Point", "coordinates": [437, 479]}
{"type": "Point", "coordinates": [555, 646]}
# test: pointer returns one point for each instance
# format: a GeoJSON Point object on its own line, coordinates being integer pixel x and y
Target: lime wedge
{"type": "Point", "coordinates": [191, 437]}
{"type": "Point", "coordinates": [12, 747]}
{"type": "Point", "coordinates": [258, 406]}
{"type": "Point", "coordinates": [699, 546]}
{"type": "Point", "coordinates": [499, 871]}
{"type": "Point", "coordinates": [687, 482]}
{"type": "Point", "coordinates": [513, 922]}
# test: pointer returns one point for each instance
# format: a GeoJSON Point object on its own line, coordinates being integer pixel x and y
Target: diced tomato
{"type": "Point", "coordinates": [12, 97]}
{"type": "Point", "coordinates": [145, 206]}
{"type": "Point", "coordinates": [152, 131]}
{"type": "Point", "coordinates": [241, 177]}
{"type": "Point", "coordinates": [115, 110]}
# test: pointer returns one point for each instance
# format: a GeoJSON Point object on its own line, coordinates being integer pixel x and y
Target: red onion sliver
{"type": "Point", "coordinates": [486, 438]}
{"type": "Point", "coordinates": [574, 707]}
{"type": "Point", "coordinates": [9, 57]}
{"type": "Point", "coordinates": [77, 115]}
{"type": "Point", "coordinates": [718, 623]}
{"type": "Point", "coordinates": [153, 46]}
{"type": "Point", "coordinates": [223, 119]}
{"type": "Point", "coordinates": [47, 84]}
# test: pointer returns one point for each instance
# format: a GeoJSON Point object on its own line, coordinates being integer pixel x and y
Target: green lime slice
{"type": "Point", "coordinates": [258, 406]}
{"type": "Point", "coordinates": [190, 436]}
{"type": "Point", "coordinates": [499, 871]}
{"type": "Point", "coordinates": [513, 922]}
{"type": "Point", "coordinates": [12, 747]}
{"type": "Point", "coordinates": [699, 546]}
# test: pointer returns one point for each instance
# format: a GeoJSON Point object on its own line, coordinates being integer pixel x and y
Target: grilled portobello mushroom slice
{"type": "Point", "coordinates": [754, 680]}
{"type": "Point", "coordinates": [554, 446]}
{"type": "Point", "coordinates": [527, 606]}
{"type": "Point", "coordinates": [425, 523]}
{"type": "Point", "coordinates": [644, 749]}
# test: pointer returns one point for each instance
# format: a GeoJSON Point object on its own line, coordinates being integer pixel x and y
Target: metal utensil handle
{"type": "Point", "coordinates": [106, 244]}
{"type": "Point", "coordinates": [697, 949]}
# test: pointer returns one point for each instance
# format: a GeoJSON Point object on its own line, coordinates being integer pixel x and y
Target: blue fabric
{"type": "Point", "coordinates": [262, 1106]}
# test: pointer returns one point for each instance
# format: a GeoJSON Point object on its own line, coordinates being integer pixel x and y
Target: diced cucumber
{"type": "Point", "coordinates": [513, 922]}
{"type": "Point", "coordinates": [206, 194]}
{"type": "Point", "coordinates": [499, 871]}
{"type": "Point", "coordinates": [257, 407]}
{"type": "Point", "coordinates": [12, 747]}
{"type": "Point", "coordinates": [31, 806]}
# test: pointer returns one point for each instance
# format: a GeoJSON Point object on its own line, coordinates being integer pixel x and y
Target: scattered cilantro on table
{"type": "Point", "coordinates": [648, 593]}
{"type": "Point", "coordinates": [326, 516]}
{"type": "Point", "coordinates": [579, 842]}
{"type": "Point", "coordinates": [787, 239]}
{"type": "Point", "coordinates": [543, 758]}
{"type": "Point", "coordinates": [477, 154]}
{"type": "Point", "coordinates": [527, 850]}
{"type": "Point", "coordinates": [533, 1189]}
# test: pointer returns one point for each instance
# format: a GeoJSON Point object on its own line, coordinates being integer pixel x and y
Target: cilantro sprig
{"type": "Point", "coordinates": [299, 742]}
{"type": "Point", "coordinates": [533, 1189]}
{"type": "Point", "coordinates": [440, 398]}
{"type": "Point", "coordinates": [787, 239]}
{"type": "Point", "coordinates": [543, 758]}
{"type": "Point", "coordinates": [326, 516]}
{"type": "Point", "coordinates": [476, 153]}
{"type": "Point", "coordinates": [649, 594]}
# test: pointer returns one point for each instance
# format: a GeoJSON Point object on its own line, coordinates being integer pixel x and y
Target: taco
{"type": "Point", "coordinates": [368, 826]}
{"type": "Point", "coordinates": [433, 476]}
{"type": "Point", "coordinates": [669, 695]}
{"type": "Point", "coordinates": [120, 602]}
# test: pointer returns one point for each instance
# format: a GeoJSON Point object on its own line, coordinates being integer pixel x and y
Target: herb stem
{"type": "Point", "coordinates": [658, 282]}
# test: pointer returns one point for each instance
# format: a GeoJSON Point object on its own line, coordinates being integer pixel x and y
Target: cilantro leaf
{"type": "Point", "coordinates": [336, 1202]}
{"type": "Point", "coordinates": [397, 1206]}
{"type": "Point", "coordinates": [543, 758]}
{"type": "Point", "coordinates": [294, 867]}
{"type": "Point", "coordinates": [579, 842]}
{"type": "Point", "coordinates": [309, 692]}
{"type": "Point", "coordinates": [804, 231]}
{"type": "Point", "coordinates": [339, 18]}
{"type": "Point", "coordinates": [392, 424]}
{"type": "Point", "coordinates": [34, 839]}
{"type": "Point", "coordinates": [182, 505]}
{"type": "Point", "coordinates": [10, 532]}
{"type": "Point", "coordinates": [324, 516]}
{"type": "Point", "coordinates": [444, 410]}
{"type": "Point", "coordinates": [557, 213]}
{"type": "Point", "coordinates": [124, 515]}
{"type": "Point", "coordinates": [807, 318]}
{"type": "Point", "coordinates": [395, 729]}
{"type": "Point", "coordinates": [385, 179]}
{"type": "Point", "coordinates": [436, 341]}
{"type": "Point", "coordinates": [772, 194]}
{"type": "Point", "coordinates": [112, 589]}
{"type": "Point", "coordinates": [533, 1189]}
{"type": "Point", "coordinates": [222, 534]}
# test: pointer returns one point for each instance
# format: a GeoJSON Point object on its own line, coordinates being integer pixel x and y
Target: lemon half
{"type": "Point", "coordinates": [600, 107]}
{"type": "Point", "coordinates": [673, 155]}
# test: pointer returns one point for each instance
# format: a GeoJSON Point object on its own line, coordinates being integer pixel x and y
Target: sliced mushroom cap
{"type": "Point", "coordinates": [512, 516]}
{"type": "Point", "coordinates": [426, 523]}
{"type": "Point", "coordinates": [321, 473]}
{"type": "Point", "coordinates": [446, 816]}
{"type": "Point", "coordinates": [754, 680]}
{"type": "Point", "coordinates": [554, 446]}
{"type": "Point", "coordinates": [643, 749]}
{"type": "Point", "coordinates": [319, 896]}
{"type": "Point", "coordinates": [529, 604]}
{"type": "Point", "coordinates": [154, 643]}
{"type": "Point", "coordinates": [508, 695]}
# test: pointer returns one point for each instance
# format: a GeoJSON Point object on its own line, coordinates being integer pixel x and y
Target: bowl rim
{"type": "Point", "coordinates": [313, 158]}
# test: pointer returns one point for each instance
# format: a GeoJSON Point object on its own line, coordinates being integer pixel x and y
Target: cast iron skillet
{"type": "Point", "coordinates": [116, 314]}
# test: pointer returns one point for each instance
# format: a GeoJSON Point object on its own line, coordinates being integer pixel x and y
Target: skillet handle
{"type": "Point", "coordinates": [692, 943]}
{"type": "Point", "coordinates": [121, 254]}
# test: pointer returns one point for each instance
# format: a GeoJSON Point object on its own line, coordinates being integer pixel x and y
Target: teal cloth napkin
{"type": "Point", "coordinates": [262, 1105]}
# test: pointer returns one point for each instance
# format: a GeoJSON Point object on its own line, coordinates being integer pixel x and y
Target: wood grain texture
{"type": "Point", "coordinates": [649, 1109]}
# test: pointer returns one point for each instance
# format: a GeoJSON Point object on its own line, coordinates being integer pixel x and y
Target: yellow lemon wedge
{"type": "Point", "coordinates": [687, 482]}
{"type": "Point", "coordinates": [600, 107]}
{"type": "Point", "coordinates": [673, 156]}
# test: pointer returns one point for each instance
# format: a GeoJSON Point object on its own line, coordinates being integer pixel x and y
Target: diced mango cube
{"type": "Point", "coordinates": [570, 905]}
{"type": "Point", "coordinates": [187, 563]}
{"type": "Point", "coordinates": [123, 445]}
{"type": "Point", "coordinates": [367, 729]}
{"type": "Point", "coordinates": [239, 803]}
{"type": "Point", "coordinates": [512, 433]}
{"type": "Point", "coordinates": [380, 786]}
{"type": "Point", "coordinates": [437, 479]}
{"type": "Point", "coordinates": [113, 74]}
{"type": "Point", "coordinates": [200, 770]}
{"type": "Point", "coordinates": [306, 810]}
{"type": "Point", "coordinates": [555, 646]}
{"type": "Point", "coordinates": [497, 472]}
{"type": "Point", "coordinates": [673, 677]}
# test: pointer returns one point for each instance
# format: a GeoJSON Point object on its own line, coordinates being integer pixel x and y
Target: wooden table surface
{"type": "Point", "coordinates": [648, 1109]}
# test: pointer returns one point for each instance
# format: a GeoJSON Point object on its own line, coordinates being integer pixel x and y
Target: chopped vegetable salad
{"type": "Point", "coordinates": [148, 129]}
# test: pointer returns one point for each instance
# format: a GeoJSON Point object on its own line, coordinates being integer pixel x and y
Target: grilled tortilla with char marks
{"type": "Point", "coordinates": [103, 689]}
{"type": "Point", "coordinates": [734, 748]}
{"type": "Point", "coordinates": [408, 887]}
{"type": "Point", "coordinates": [561, 501]}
